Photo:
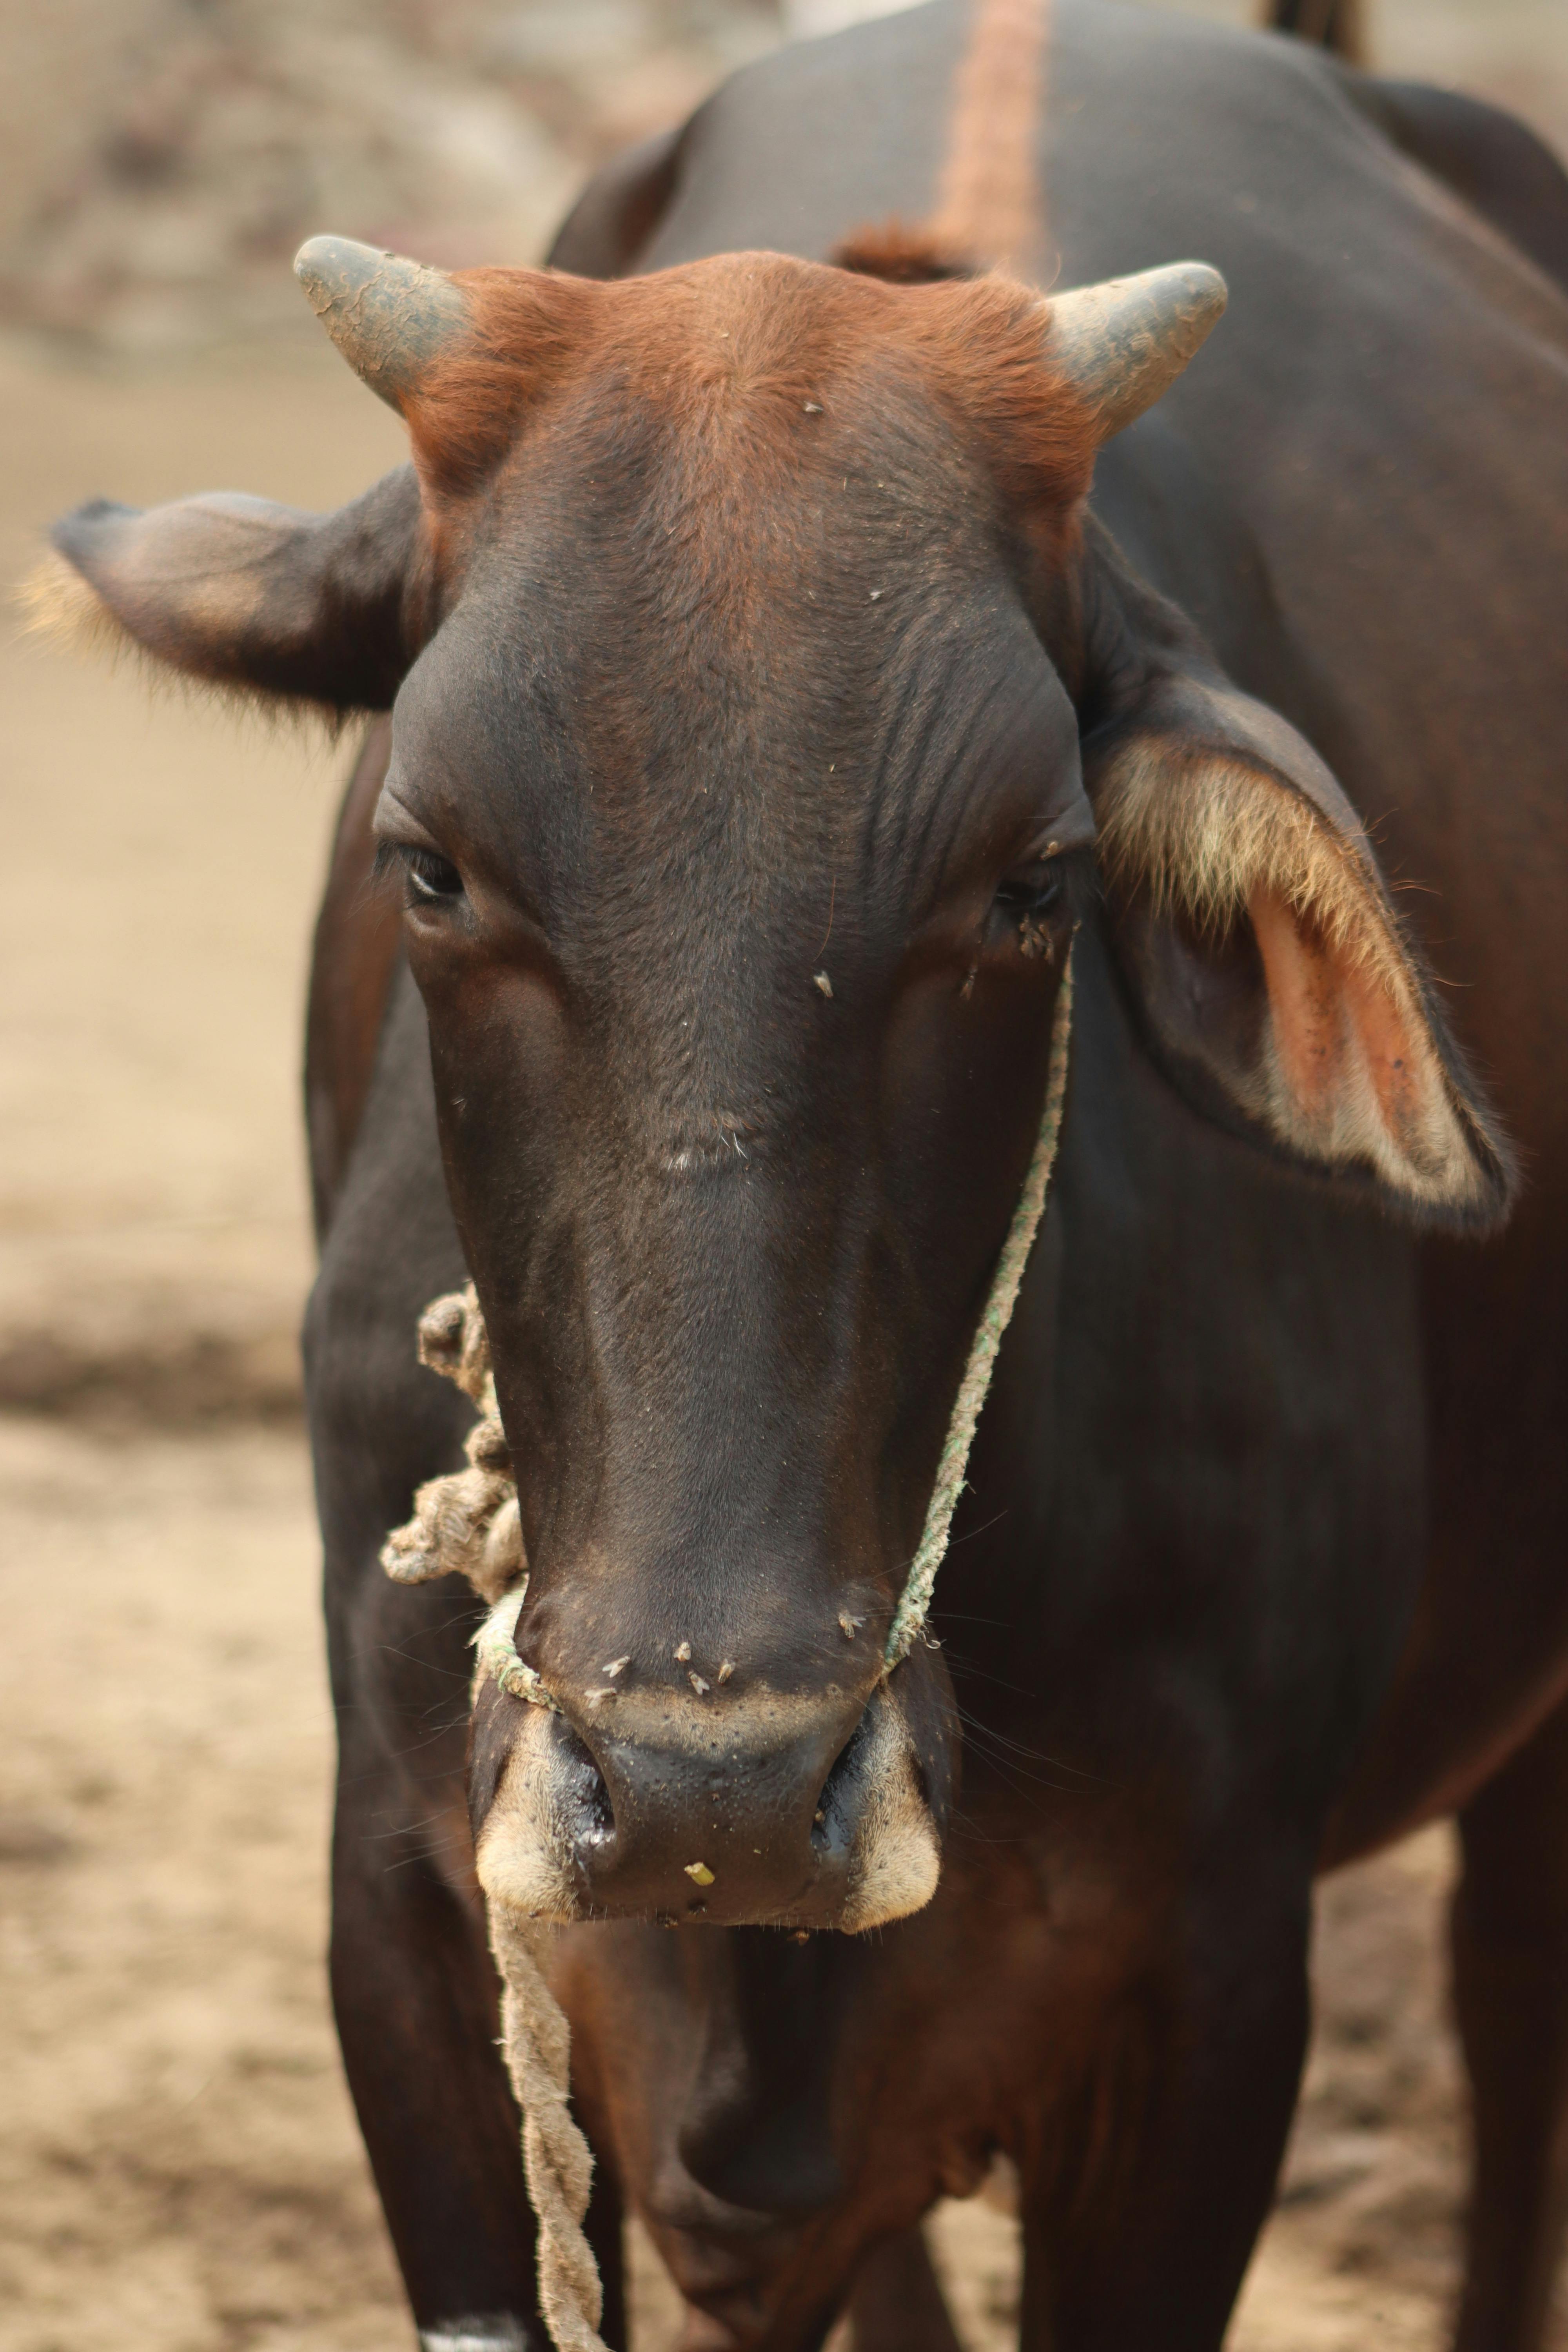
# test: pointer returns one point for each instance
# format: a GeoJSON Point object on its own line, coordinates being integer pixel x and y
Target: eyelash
{"type": "Point", "coordinates": [429, 878]}
{"type": "Point", "coordinates": [1022, 900]}
{"type": "Point", "coordinates": [1023, 908]}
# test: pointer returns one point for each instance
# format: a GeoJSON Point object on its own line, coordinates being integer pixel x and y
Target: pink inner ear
{"type": "Point", "coordinates": [1306, 1000]}
{"type": "Point", "coordinates": [1346, 1048]}
{"type": "Point", "coordinates": [1387, 1050]}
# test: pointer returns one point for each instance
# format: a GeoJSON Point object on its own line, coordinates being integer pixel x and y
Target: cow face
{"type": "Point", "coordinates": [737, 619]}
{"type": "Point", "coordinates": [737, 803]}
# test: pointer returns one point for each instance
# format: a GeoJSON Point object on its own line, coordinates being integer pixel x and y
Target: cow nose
{"type": "Point", "coordinates": [741, 1811]}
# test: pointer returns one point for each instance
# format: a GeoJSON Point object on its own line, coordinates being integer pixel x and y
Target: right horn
{"type": "Point", "coordinates": [1121, 343]}
{"type": "Point", "coordinates": [391, 319]}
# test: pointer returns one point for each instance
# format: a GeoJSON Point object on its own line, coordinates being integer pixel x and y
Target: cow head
{"type": "Point", "coordinates": [747, 653]}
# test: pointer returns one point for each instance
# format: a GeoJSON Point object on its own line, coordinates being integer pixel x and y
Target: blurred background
{"type": "Point", "coordinates": [160, 159]}
{"type": "Point", "coordinates": [179, 2171]}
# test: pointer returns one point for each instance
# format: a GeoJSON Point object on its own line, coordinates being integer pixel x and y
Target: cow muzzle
{"type": "Point", "coordinates": [757, 1810]}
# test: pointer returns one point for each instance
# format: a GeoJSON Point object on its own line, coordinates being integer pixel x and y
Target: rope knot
{"type": "Point", "coordinates": [468, 1523]}
{"type": "Point", "coordinates": [453, 1342]}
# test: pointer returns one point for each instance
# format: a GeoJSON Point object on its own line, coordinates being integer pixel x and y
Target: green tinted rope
{"type": "Point", "coordinates": [915, 1600]}
{"type": "Point", "coordinates": [494, 1651]}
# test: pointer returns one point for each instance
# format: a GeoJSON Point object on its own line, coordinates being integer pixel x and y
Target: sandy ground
{"type": "Point", "coordinates": [179, 2170]}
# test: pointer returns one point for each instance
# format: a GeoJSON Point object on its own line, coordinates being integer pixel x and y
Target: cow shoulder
{"type": "Point", "coordinates": [381, 1423]}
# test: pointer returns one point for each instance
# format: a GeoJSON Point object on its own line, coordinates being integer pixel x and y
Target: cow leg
{"type": "Point", "coordinates": [604, 2225]}
{"type": "Point", "coordinates": [1510, 1931]}
{"type": "Point", "coordinates": [415, 2000]}
{"type": "Point", "coordinates": [896, 2304]}
{"type": "Point", "coordinates": [1139, 2226]}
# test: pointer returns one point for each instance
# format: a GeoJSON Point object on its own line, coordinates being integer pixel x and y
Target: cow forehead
{"type": "Point", "coordinates": [742, 578]}
{"type": "Point", "coordinates": [695, 490]}
{"type": "Point", "coordinates": [681, 755]}
{"type": "Point", "coordinates": [715, 402]}
{"type": "Point", "coordinates": [743, 324]}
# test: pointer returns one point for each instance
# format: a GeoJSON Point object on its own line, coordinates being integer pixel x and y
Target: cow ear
{"type": "Point", "coordinates": [1275, 981]}
{"type": "Point", "coordinates": [262, 599]}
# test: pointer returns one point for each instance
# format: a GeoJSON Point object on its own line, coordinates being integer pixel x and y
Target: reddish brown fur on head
{"type": "Point", "coordinates": [530, 328]}
{"type": "Point", "coordinates": [760, 337]}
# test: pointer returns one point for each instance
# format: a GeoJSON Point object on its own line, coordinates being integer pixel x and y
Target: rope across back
{"type": "Point", "coordinates": [467, 1524]}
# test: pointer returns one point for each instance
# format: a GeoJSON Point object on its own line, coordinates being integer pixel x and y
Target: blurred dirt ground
{"type": "Point", "coordinates": [179, 2170]}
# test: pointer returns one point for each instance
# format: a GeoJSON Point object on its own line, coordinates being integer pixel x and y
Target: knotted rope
{"type": "Point", "coordinates": [468, 1523]}
{"type": "Point", "coordinates": [557, 2162]}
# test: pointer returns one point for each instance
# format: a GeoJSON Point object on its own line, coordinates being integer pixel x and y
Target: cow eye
{"type": "Point", "coordinates": [430, 877]}
{"type": "Point", "coordinates": [1030, 894]}
{"type": "Point", "coordinates": [1023, 908]}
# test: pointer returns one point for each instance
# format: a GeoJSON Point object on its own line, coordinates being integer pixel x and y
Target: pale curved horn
{"type": "Point", "coordinates": [391, 319]}
{"type": "Point", "coordinates": [1122, 342]}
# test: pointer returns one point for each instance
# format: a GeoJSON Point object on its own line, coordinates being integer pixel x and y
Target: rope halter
{"type": "Point", "coordinates": [468, 1523]}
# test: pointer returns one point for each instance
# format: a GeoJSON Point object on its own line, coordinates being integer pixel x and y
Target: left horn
{"type": "Point", "coordinates": [1122, 344]}
{"type": "Point", "coordinates": [391, 319]}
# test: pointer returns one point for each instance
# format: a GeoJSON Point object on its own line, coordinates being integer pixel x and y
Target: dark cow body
{"type": "Point", "coordinates": [1385, 407]}
{"type": "Point", "coordinates": [1262, 1563]}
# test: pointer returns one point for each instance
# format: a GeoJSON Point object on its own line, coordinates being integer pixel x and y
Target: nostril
{"type": "Point", "coordinates": [590, 1819]}
{"type": "Point", "coordinates": [833, 1824]}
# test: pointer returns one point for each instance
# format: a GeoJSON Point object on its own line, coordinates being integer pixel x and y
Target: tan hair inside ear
{"type": "Point", "coordinates": [57, 603]}
{"type": "Point", "coordinates": [1349, 1072]}
{"type": "Point", "coordinates": [1352, 1073]}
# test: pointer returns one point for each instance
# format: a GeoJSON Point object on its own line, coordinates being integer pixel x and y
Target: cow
{"type": "Point", "coordinates": [793, 667]}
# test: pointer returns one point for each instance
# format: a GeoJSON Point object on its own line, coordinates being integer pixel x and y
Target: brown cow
{"type": "Point", "coordinates": [746, 621]}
